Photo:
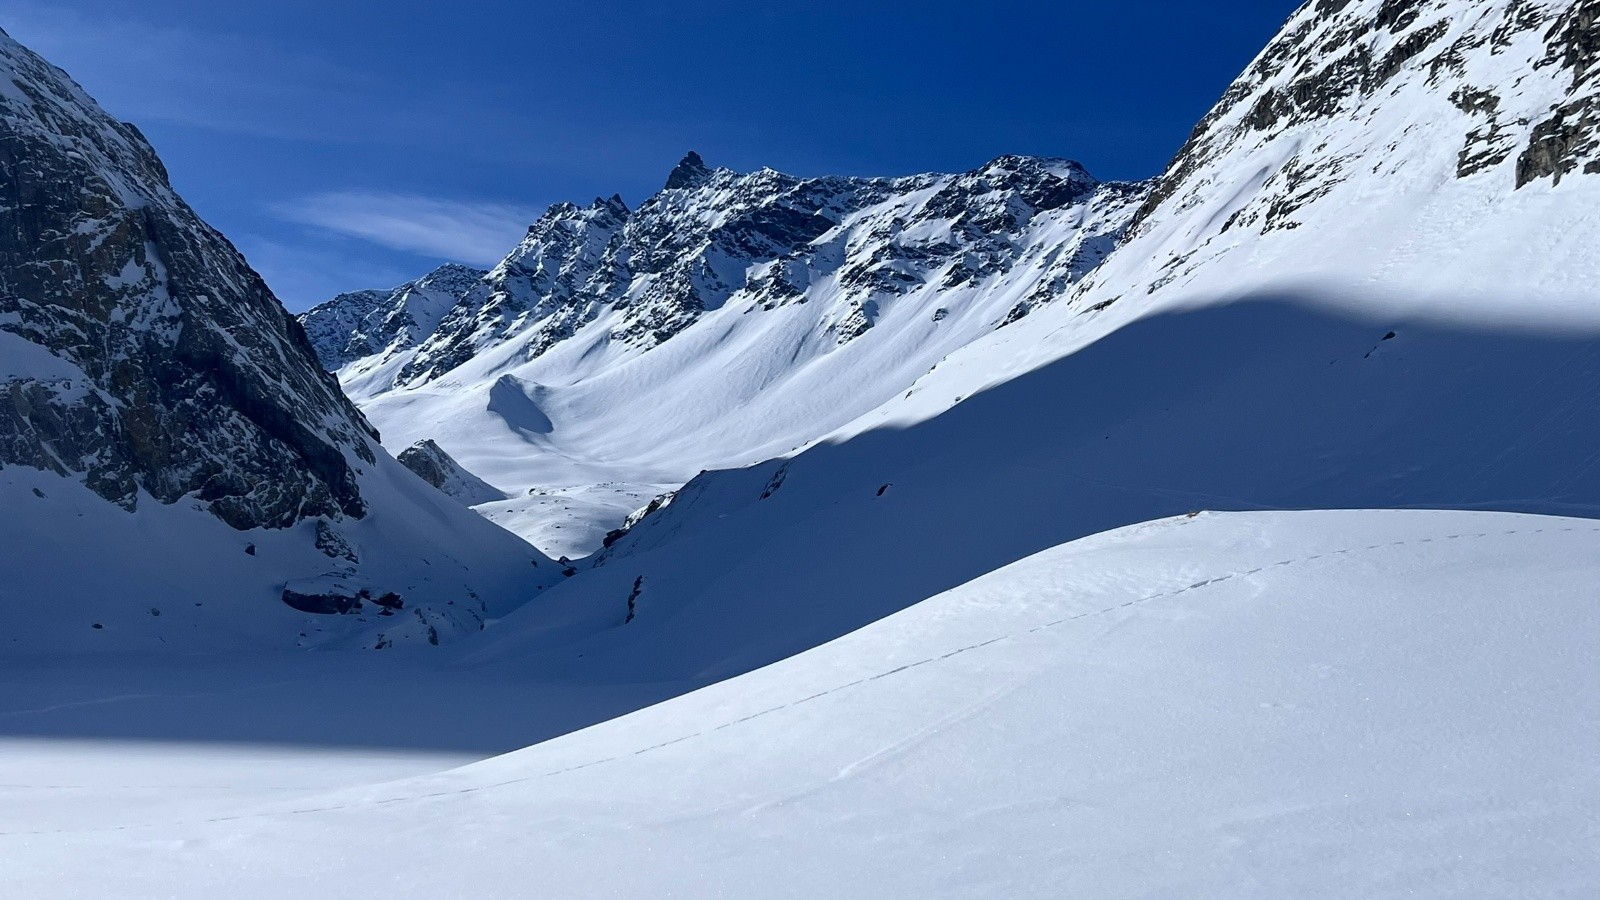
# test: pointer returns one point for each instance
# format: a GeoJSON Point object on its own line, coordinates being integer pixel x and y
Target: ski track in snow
{"type": "Point", "coordinates": [930, 660]}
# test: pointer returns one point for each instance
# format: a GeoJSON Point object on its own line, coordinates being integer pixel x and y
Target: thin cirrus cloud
{"type": "Point", "coordinates": [476, 233]}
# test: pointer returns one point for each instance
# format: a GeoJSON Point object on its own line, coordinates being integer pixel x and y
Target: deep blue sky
{"type": "Point", "coordinates": [345, 145]}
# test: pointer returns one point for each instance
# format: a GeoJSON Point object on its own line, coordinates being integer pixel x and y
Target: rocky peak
{"type": "Point", "coordinates": [690, 172]}
{"type": "Point", "coordinates": [360, 324]}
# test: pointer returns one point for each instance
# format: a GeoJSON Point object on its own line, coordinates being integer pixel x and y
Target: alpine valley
{"type": "Point", "coordinates": [1002, 533]}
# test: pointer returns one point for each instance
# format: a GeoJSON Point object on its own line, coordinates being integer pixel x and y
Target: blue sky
{"type": "Point", "coordinates": [346, 145]}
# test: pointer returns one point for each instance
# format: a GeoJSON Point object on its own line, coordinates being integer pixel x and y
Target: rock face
{"type": "Point", "coordinates": [714, 237]}
{"type": "Point", "coordinates": [429, 461]}
{"type": "Point", "coordinates": [138, 351]}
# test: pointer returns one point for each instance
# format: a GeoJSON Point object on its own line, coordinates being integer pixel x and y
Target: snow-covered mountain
{"type": "Point", "coordinates": [166, 416]}
{"type": "Point", "coordinates": [731, 317]}
{"type": "Point", "coordinates": [360, 324]}
{"type": "Point", "coordinates": [1365, 359]}
{"type": "Point", "coordinates": [1390, 156]}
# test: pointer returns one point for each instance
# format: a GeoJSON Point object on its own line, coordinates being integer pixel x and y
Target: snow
{"type": "Point", "coordinates": [748, 380]}
{"type": "Point", "coordinates": [1315, 704]}
{"type": "Point", "coordinates": [1247, 566]}
{"type": "Point", "coordinates": [85, 577]}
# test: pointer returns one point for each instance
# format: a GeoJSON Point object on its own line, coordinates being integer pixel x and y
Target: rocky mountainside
{"type": "Point", "coordinates": [360, 324]}
{"type": "Point", "coordinates": [143, 360]}
{"type": "Point", "coordinates": [1433, 142]}
{"type": "Point", "coordinates": [731, 316]}
{"type": "Point", "coordinates": [430, 463]}
{"type": "Point", "coordinates": [142, 354]}
{"type": "Point", "coordinates": [714, 237]}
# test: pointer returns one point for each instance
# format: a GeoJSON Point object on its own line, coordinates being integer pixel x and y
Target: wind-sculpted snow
{"type": "Point", "coordinates": [1288, 704]}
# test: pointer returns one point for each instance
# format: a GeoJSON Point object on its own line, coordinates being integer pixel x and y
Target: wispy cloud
{"type": "Point", "coordinates": [476, 233]}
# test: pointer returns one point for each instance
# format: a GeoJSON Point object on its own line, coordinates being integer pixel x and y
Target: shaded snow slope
{"type": "Point", "coordinates": [84, 576]}
{"type": "Point", "coordinates": [1271, 403]}
{"type": "Point", "coordinates": [1382, 704]}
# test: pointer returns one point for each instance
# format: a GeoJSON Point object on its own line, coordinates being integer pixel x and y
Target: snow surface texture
{"type": "Point", "coordinates": [732, 317]}
{"type": "Point", "coordinates": [1320, 704]}
{"type": "Point", "coordinates": [171, 456]}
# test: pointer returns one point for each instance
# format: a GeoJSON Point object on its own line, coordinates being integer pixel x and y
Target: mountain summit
{"type": "Point", "coordinates": [689, 173]}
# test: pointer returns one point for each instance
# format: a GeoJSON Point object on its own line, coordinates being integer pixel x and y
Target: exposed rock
{"type": "Point", "coordinates": [690, 172]}
{"type": "Point", "coordinates": [381, 323]}
{"type": "Point", "coordinates": [429, 461]}
{"type": "Point", "coordinates": [334, 544]}
{"type": "Point", "coordinates": [142, 353]}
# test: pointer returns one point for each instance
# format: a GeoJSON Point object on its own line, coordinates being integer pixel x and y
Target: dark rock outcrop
{"type": "Point", "coordinates": [438, 468]}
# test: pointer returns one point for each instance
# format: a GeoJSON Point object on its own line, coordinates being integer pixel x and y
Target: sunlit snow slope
{"type": "Point", "coordinates": [1328, 704]}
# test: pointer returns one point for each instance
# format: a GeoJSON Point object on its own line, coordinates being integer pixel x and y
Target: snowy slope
{"type": "Point", "coordinates": [1374, 704]}
{"type": "Point", "coordinates": [1417, 158]}
{"type": "Point", "coordinates": [1394, 384]}
{"type": "Point", "coordinates": [732, 317]}
{"type": "Point", "coordinates": [168, 442]}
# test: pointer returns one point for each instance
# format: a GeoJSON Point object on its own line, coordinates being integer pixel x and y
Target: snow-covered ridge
{"type": "Point", "coordinates": [714, 237]}
{"type": "Point", "coordinates": [359, 324]}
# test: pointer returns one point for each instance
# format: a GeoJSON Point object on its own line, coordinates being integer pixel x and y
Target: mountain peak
{"type": "Point", "coordinates": [691, 171]}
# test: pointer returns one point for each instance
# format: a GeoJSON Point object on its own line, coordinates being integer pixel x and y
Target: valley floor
{"type": "Point", "coordinates": [1263, 704]}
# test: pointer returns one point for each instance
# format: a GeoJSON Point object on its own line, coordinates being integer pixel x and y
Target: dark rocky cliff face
{"type": "Point", "coordinates": [138, 350]}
